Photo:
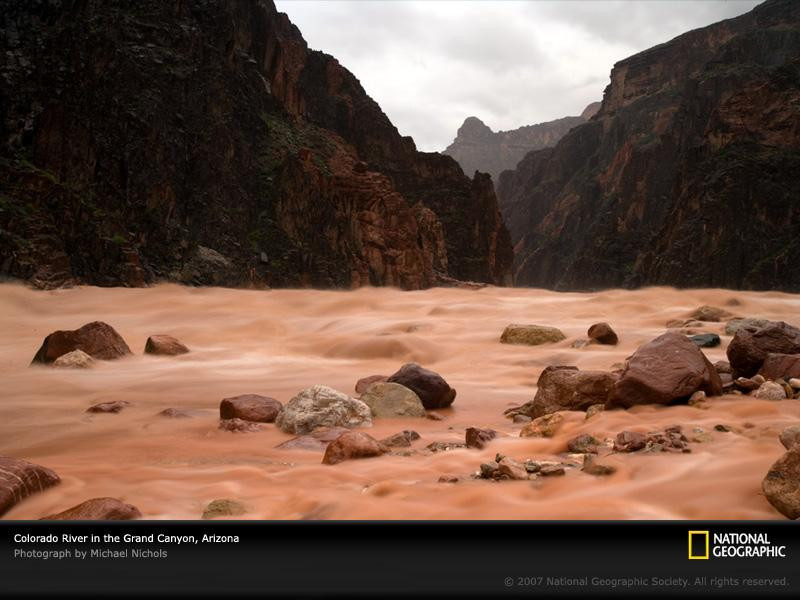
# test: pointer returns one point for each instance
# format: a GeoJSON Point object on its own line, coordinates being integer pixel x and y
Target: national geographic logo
{"type": "Point", "coordinates": [703, 545]}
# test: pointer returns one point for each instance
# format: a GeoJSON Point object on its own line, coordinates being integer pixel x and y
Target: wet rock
{"type": "Point", "coordinates": [478, 438]}
{"type": "Point", "coordinates": [77, 359]}
{"type": "Point", "coordinates": [706, 340]}
{"type": "Point", "coordinates": [723, 367]}
{"type": "Point", "coordinates": [113, 407]}
{"type": "Point", "coordinates": [669, 440]}
{"type": "Point", "coordinates": [322, 406]}
{"type": "Point", "coordinates": [580, 343]}
{"type": "Point", "coordinates": [434, 416]}
{"type": "Point", "coordinates": [432, 389]}
{"type": "Point", "coordinates": [666, 370]}
{"type": "Point", "coordinates": [592, 467]}
{"type": "Point", "coordinates": [722, 428]}
{"type": "Point", "coordinates": [351, 445]}
{"type": "Point", "coordinates": [401, 440]}
{"type": "Point", "coordinates": [444, 446]}
{"type": "Point", "coordinates": [250, 407]}
{"type": "Point", "coordinates": [699, 397]}
{"type": "Point", "coordinates": [392, 400]}
{"type": "Point", "coordinates": [489, 469]}
{"type": "Point", "coordinates": [20, 479]}
{"type": "Point", "coordinates": [97, 509]}
{"type": "Point", "coordinates": [732, 326]}
{"type": "Point", "coordinates": [711, 314]}
{"type": "Point", "coordinates": [629, 441]}
{"type": "Point", "coordinates": [603, 334]}
{"type": "Point", "coordinates": [790, 436]}
{"type": "Point", "coordinates": [751, 346]}
{"type": "Point", "coordinates": [583, 444]}
{"type": "Point", "coordinates": [782, 484]}
{"type": "Point", "coordinates": [794, 383]}
{"type": "Point", "coordinates": [531, 335]}
{"type": "Point", "coordinates": [508, 468]}
{"type": "Point", "coordinates": [239, 426]}
{"type": "Point", "coordinates": [316, 440]}
{"type": "Point", "coordinates": [594, 409]}
{"type": "Point", "coordinates": [552, 470]}
{"type": "Point", "coordinates": [362, 385]}
{"type": "Point", "coordinates": [97, 339]}
{"type": "Point", "coordinates": [769, 390]}
{"type": "Point", "coordinates": [448, 479]}
{"type": "Point", "coordinates": [780, 366]}
{"type": "Point", "coordinates": [567, 388]}
{"type": "Point", "coordinates": [164, 345]}
{"type": "Point", "coordinates": [545, 426]}
{"type": "Point", "coordinates": [174, 413]}
{"type": "Point", "coordinates": [683, 324]}
{"type": "Point", "coordinates": [521, 419]}
{"type": "Point", "coordinates": [223, 507]}
{"type": "Point", "coordinates": [746, 384]}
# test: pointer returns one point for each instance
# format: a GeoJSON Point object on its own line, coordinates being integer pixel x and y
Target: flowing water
{"type": "Point", "coordinates": [278, 342]}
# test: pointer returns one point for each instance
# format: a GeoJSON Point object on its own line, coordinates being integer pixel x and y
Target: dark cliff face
{"type": "Point", "coordinates": [478, 148]}
{"type": "Point", "coordinates": [687, 175]}
{"type": "Point", "coordinates": [201, 141]}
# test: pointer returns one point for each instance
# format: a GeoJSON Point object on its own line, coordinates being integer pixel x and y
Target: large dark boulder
{"type": "Point", "coordinates": [668, 369]}
{"type": "Point", "coordinates": [751, 345]}
{"type": "Point", "coordinates": [20, 479]}
{"type": "Point", "coordinates": [97, 339]}
{"type": "Point", "coordinates": [567, 388]}
{"type": "Point", "coordinates": [431, 387]}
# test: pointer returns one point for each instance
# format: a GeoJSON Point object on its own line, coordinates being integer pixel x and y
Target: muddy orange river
{"type": "Point", "coordinates": [278, 342]}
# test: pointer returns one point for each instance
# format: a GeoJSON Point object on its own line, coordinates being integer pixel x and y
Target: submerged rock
{"type": "Point", "coordinates": [20, 479]}
{"type": "Point", "coordinates": [400, 440]}
{"type": "Point", "coordinates": [478, 438]}
{"type": "Point", "coordinates": [111, 407]}
{"type": "Point", "coordinates": [97, 509]}
{"type": "Point", "coordinates": [603, 334]}
{"type": "Point", "coordinates": [97, 339]}
{"type": "Point", "coordinates": [531, 335]}
{"type": "Point", "coordinates": [250, 407]}
{"type": "Point", "coordinates": [782, 484]}
{"type": "Point", "coordinates": [592, 467]}
{"type": "Point", "coordinates": [164, 345]}
{"type": "Point", "coordinates": [711, 314]}
{"type": "Point", "coordinates": [239, 426]}
{"type": "Point", "coordinates": [174, 413]}
{"type": "Point", "coordinates": [77, 359]}
{"type": "Point", "coordinates": [666, 370]}
{"type": "Point", "coordinates": [432, 389]}
{"type": "Point", "coordinates": [583, 444]}
{"type": "Point", "coordinates": [392, 400]}
{"type": "Point", "coordinates": [545, 426]}
{"type": "Point", "coordinates": [751, 345]}
{"type": "Point", "coordinates": [322, 406]}
{"type": "Point", "coordinates": [351, 445]}
{"type": "Point", "coordinates": [706, 340]}
{"type": "Point", "coordinates": [316, 440]}
{"type": "Point", "coordinates": [223, 507]}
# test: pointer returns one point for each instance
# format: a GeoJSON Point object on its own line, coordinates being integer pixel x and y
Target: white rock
{"type": "Point", "coordinates": [322, 406]}
{"type": "Point", "coordinates": [770, 390]}
{"type": "Point", "coordinates": [77, 359]}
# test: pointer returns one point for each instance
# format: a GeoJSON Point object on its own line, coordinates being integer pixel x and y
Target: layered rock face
{"type": "Point", "coordinates": [687, 175]}
{"type": "Point", "coordinates": [478, 148]}
{"type": "Point", "coordinates": [201, 141]}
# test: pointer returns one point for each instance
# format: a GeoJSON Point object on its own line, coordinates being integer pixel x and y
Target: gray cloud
{"type": "Point", "coordinates": [430, 64]}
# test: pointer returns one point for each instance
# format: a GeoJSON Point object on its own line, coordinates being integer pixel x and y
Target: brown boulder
{"type": "Point", "coordinates": [250, 407]}
{"type": "Point", "coordinates": [164, 345]}
{"type": "Point", "coordinates": [567, 388]}
{"type": "Point", "coordinates": [603, 334]}
{"type": "Point", "coordinates": [751, 345]}
{"type": "Point", "coordinates": [97, 339]}
{"type": "Point", "coordinates": [363, 384]}
{"type": "Point", "coordinates": [97, 509]}
{"type": "Point", "coordinates": [20, 479]}
{"type": "Point", "coordinates": [431, 387]}
{"type": "Point", "coordinates": [401, 440]}
{"type": "Point", "coordinates": [629, 441]}
{"type": "Point", "coordinates": [478, 438]}
{"type": "Point", "coordinates": [350, 445]}
{"type": "Point", "coordinates": [781, 366]}
{"type": "Point", "coordinates": [668, 369]}
{"type": "Point", "coordinates": [782, 484]}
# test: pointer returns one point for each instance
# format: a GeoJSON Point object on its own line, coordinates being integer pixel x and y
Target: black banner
{"type": "Point", "coordinates": [321, 558]}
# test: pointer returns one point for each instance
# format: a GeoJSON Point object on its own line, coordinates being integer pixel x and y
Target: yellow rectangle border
{"type": "Point", "coordinates": [704, 556]}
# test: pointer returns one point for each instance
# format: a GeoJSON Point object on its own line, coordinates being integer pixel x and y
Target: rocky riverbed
{"type": "Point", "coordinates": [142, 434]}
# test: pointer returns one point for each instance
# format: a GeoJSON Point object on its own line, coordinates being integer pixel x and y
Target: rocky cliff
{"type": "Point", "coordinates": [478, 148]}
{"type": "Point", "coordinates": [687, 175]}
{"type": "Point", "coordinates": [201, 141]}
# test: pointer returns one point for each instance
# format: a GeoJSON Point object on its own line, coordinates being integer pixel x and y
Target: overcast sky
{"type": "Point", "coordinates": [432, 63]}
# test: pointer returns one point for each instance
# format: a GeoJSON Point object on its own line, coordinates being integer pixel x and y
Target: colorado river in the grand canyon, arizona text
{"type": "Point", "coordinates": [279, 342]}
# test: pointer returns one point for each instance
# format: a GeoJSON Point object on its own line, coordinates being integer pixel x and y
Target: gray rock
{"type": "Point", "coordinates": [322, 406]}
{"type": "Point", "coordinates": [392, 400]}
{"type": "Point", "coordinates": [790, 436]}
{"type": "Point", "coordinates": [732, 326]}
{"type": "Point", "coordinates": [77, 359]}
{"type": "Point", "coordinates": [224, 507]}
{"type": "Point", "coordinates": [770, 390]}
{"type": "Point", "coordinates": [782, 484]}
